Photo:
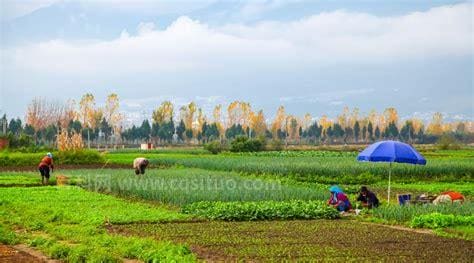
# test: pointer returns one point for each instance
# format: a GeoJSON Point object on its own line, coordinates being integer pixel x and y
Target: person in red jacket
{"type": "Point", "coordinates": [44, 168]}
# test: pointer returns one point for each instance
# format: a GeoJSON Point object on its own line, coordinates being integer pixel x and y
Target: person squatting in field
{"type": "Point", "coordinates": [339, 199]}
{"type": "Point", "coordinates": [140, 164]}
{"type": "Point", "coordinates": [44, 168]}
{"type": "Point", "coordinates": [367, 198]}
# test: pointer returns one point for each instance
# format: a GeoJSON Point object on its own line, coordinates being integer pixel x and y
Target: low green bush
{"type": "Point", "coordinates": [244, 144]}
{"type": "Point", "coordinates": [448, 142]}
{"type": "Point", "coordinates": [405, 214]}
{"type": "Point", "coordinates": [80, 157]}
{"type": "Point", "coordinates": [263, 210]}
{"type": "Point", "coordinates": [214, 147]}
{"type": "Point", "coordinates": [437, 220]}
{"type": "Point", "coordinates": [276, 145]}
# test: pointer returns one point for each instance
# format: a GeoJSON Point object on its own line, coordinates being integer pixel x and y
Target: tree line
{"type": "Point", "coordinates": [46, 120]}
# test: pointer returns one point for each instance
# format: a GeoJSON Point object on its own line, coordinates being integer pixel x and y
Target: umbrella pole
{"type": "Point", "coordinates": [389, 179]}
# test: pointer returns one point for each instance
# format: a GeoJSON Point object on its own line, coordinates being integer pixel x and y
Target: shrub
{"type": "Point", "coordinates": [21, 141]}
{"type": "Point", "coordinates": [448, 142]}
{"type": "Point", "coordinates": [276, 145]}
{"type": "Point", "coordinates": [214, 147]}
{"type": "Point", "coordinates": [244, 144]}
{"type": "Point", "coordinates": [79, 157]}
{"type": "Point", "coordinates": [263, 210]}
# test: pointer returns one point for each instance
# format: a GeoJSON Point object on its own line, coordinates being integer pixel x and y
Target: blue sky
{"type": "Point", "coordinates": [311, 56]}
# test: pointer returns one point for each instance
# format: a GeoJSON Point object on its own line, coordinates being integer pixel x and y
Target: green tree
{"type": "Point", "coordinates": [166, 131]}
{"type": "Point", "coordinates": [180, 130]}
{"type": "Point", "coordinates": [234, 131]}
{"type": "Point", "coordinates": [407, 132]}
{"type": "Point", "coordinates": [356, 131]}
{"type": "Point", "coordinates": [337, 131]}
{"type": "Point", "coordinates": [370, 131]}
{"type": "Point", "coordinates": [145, 130]}
{"type": "Point", "coordinates": [364, 133]}
{"type": "Point", "coordinates": [74, 126]}
{"type": "Point", "coordinates": [391, 131]}
{"type": "Point", "coordinates": [29, 130]}
{"type": "Point", "coordinates": [15, 126]}
{"type": "Point", "coordinates": [377, 133]}
{"type": "Point", "coordinates": [106, 128]}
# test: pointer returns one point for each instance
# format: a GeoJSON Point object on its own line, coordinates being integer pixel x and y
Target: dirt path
{"type": "Point", "coordinates": [23, 254]}
{"type": "Point", "coordinates": [421, 231]}
{"type": "Point", "coordinates": [338, 240]}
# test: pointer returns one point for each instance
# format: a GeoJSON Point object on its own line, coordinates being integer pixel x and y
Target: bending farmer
{"type": "Point", "coordinates": [44, 167]}
{"type": "Point", "coordinates": [139, 164]}
{"type": "Point", "coordinates": [368, 198]}
{"type": "Point", "coordinates": [338, 199]}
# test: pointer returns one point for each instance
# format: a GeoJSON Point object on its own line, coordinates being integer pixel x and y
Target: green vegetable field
{"type": "Point", "coordinates": [270, 205]}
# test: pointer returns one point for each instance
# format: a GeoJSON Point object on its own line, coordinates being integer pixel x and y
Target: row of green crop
{"type": "Point", "coordinates": [170, 150]}
{"type": "Point", "coordinates": [185, 186]}
{"type": "Point", "coordinates": [323, 169]}
{"type": "Point", "coordinates": [405, 214]}
{"type": "Point", "coordinates": [263, 210]}
{"type": "Point", "coordinates": [438, 220]}
{"type": "Point", "coordinates": [15, 159]}
{"type": "Point", "coordinates": [310, 153]}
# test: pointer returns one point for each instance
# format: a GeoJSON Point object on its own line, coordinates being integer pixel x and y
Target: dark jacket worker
{"type": "Point", "coordinates": [368, 198]}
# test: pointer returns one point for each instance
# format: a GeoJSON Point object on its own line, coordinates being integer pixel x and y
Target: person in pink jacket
{"type": "Point", "coordinates": [339, 199]}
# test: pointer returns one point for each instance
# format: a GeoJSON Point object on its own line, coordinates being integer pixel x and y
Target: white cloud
{"type": "Point", "coordinates": [146, 28]}
{"type": "Point", "coordinates": [336, 103]}
{"type": "Point", "coordinates": [155, 7]}
{"type": "Point", "coordinates": [324, 39]}
{"type": "Point", "coordinates": [10, 9]}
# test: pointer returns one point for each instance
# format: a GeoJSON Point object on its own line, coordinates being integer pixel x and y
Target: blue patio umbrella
{"type": "Point", "coordinates": [391, 151]}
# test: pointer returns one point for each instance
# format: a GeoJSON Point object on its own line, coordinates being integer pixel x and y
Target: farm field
{"type": "Point", "coordinates": [303, 240]}
{"type": "Point", "coordinates": [69, 223]}
{"type": "Point", "coordinates": [313, 166]}
{"type": "Point", "coordinates": [269, 206]}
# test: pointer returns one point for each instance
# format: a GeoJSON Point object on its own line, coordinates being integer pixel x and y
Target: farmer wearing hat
{"type": "Point", "coordinates": [44, 167]}
{"type": "Point", "coordinates": [367, 198]}
{"type": "Point", "coordinates": [339, 199]}
{"type": "Point", "coordinates": [139, 164]}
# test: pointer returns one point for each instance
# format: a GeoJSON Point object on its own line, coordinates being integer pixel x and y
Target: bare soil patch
{"type": "Point", "coordinates": [336, 240]}
{"type": "Point", "coordinates": [17, 255]}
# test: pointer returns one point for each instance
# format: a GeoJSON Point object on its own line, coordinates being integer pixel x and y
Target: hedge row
{"type": "Point", "coordinates": [8, 159]}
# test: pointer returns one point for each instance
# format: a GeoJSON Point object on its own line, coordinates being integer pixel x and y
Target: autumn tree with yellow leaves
{"type": "Point", "coordinates": [164, 113]}
{"type": "Point", "coordinates": [279, 124]}
{"type": "Point", "coordinates": [239, 112]}
{"type": "Point", "coordinates": [257, 123]}
{"type": "Point", "coordinates": [112, 113]}
{"type": "Point", "coordinates": [436, 125]}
